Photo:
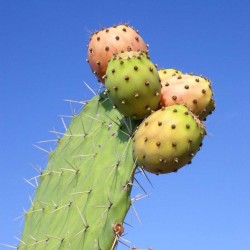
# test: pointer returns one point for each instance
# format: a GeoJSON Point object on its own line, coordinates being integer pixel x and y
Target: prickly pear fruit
{"type": "Point", "coordinates": [167, 139]}
{"type": "Point", "coordinates": [164, 73]}
{"type": "Point", "coordinates": [193, 91]}
{"type": "Point", "coordinates": [103, 44]}
{"type": "Point", "coordinates": [133, 84]}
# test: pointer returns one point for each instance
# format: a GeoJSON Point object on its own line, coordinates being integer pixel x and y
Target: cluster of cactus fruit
{"type": "Point", "coordinates": [146, 118]}
{"type": "Point", "coordinates": [167, 139]}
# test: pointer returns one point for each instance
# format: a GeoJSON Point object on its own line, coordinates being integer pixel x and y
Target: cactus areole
{"type": "Point", "coordinates": [106, 42]}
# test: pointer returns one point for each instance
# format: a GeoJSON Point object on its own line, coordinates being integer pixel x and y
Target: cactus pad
{"type": "Point", "coordinates": [83, 194]}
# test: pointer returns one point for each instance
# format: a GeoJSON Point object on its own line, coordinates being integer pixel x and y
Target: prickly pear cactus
{"type": "Point", "coordinates": [133, 84]}
{"type": "Point", "coordinates": [106, 42]}
{"type": "Point", "coordinates": [84, 193]}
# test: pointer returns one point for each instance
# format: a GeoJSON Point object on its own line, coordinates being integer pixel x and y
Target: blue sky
{"type": "Point", "coordinates": [42, 62]}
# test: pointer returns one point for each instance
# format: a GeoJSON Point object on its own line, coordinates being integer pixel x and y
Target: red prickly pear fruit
{"type": "Point", "coordinates": [103, 44]}
{"type": "Point", "coordinates": [132, 84]}
{"type": "Point", "coordinates": [168, 139]}
{"type": "Point", "coordinates": [164, 73]}
{"type": "Point", "coordinates": [193, 91]}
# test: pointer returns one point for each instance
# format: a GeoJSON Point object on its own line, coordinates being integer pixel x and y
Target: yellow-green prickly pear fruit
{"type": "Point", "coordinates": [133, 85]}
{"type": "Point", "coordinates": [168, 139]}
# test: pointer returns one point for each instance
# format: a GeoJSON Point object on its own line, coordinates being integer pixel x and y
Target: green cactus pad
{"type": "Point", "coordinates": [84, 193]}
{"type": "Point", "coordinates": [167, 140]}
{"type": "Point", "coordinates": [133, 84]}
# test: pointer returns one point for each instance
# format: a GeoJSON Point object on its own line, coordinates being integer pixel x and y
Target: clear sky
{"type": "Point", "coordinates": [42, 62]}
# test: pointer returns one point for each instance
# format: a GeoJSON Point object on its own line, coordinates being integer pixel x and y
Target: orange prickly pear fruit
{"type": "Point", "coordinates": [193, 91]}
